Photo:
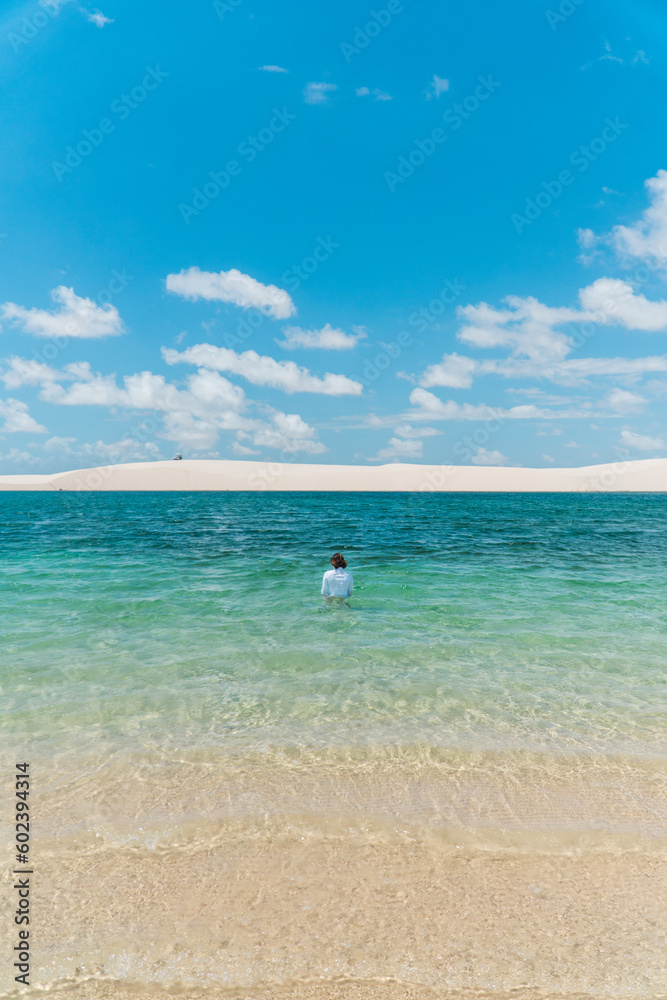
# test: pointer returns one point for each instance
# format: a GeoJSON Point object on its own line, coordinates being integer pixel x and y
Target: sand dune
{"type": "Point", "coordinates": [645, 476]}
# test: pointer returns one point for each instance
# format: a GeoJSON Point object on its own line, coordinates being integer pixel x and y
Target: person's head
{"type": "Point", "coordinates": [337, 561]}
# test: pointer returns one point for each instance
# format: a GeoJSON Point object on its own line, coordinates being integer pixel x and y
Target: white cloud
{"type": "Point", "coordinates": [192, 416]}
{"type": "Point", "coordinates": [528, 327]}
{"type": "Point", "coordinates": [274, 69]}
{"type": "Point", "coordinates": [642, 442]}
{"type": "Point", "coordinates": [429, 404]}
{"type": "Point", "coordinates": [207, 393]}
{"type": "Point", "coordinates": [406, 443]}
{"type": "Point", "coordinates": [533, 333]}
{"type": "Point", "coordinates": [586, 239]}
{"type": "Point", "coordinates": [646, 238]}
{"type": "Point", "coordinates": [207, 398]}
{"type": "Point", "coordinates": [264, 370]}
{"type": "Point", "coordinates": [437, 86]}
{"type": "Point", "coordinates": [430, 407]}
{"type": "Point", "coordinates": [60, 444]}
{"type": "Point", "coordinates": [126, 450]}
{"type": "Point", "coordinates": [287, 432]}
{"type": "Point", "coordinates": [625, 402]}
{"type": "Point", "coordinates": [407, 431]}
{"type": "Point", "coordinates": [455, 371]}
{"type": "Point", "coordinates": [610, 300]}
{"type": "Point", "coordinates": [575, 371]}
{"type": "Point", "coordinates": [609, 55]}
{"type": "Point", "coordinates": [318, 93]}
{"type": "Point", "coordinates": [543, 397]}
{"type": "Point", "coordinates": [486, 457]}
{"type": "Point", "coordinates": [21, 371]}
{"type": "Point", "coordinates": [96, 17]}
{"type": "Point", "coordinates": [548, 458]}
{"type": "Point", "coordinates": [189, 431]}
{"type": "Point", "coordinates": [242, 449]}
{"type": "Point", "coordinates": [73, 316]}
{"type": "Point", "coordinates": [638, 57]}
{"type": "Point", "coordinates": [232, 286]}
{"type": "Point", "coordinates": [379, 95]}
{"type": "Point", "coordinates": [400, 448]}
{"type": "Point", "coordinates": [19, 457]}
{"type": "Point", "coordinates": [328, 338]}
{"type": "Point", "coordinates": [458, 374]}
{"type": "Point", "coordinates": [17, 418]}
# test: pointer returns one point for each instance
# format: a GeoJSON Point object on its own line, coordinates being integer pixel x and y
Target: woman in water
{"type": "Point", "coordinates": [337, 582]}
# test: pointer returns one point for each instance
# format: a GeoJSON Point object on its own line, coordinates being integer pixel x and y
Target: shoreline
{"type": "Point", "coordinates": [641, 476]}
{"type": "Point", "coordinates": [277, 907]}
{"type": "Point", "coordinates": [420, 869]}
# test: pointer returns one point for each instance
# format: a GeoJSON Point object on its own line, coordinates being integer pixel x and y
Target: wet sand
{"type": "Point", "coordinates": [349, 874]}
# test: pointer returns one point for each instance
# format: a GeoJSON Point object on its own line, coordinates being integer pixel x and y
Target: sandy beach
{"type": "Point", "coordinates": [643, 476]}
{"type": "Point", "coordinates": [343, 884]}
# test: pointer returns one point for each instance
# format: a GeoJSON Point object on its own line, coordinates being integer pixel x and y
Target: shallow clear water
{"type": "Point", "coordinates": [454, 781]}
{"type": "Point", "coordinates": [477, 621]}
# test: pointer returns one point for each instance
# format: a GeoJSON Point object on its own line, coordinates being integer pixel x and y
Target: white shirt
{"type": "Point", "coordinates": [337, 583]}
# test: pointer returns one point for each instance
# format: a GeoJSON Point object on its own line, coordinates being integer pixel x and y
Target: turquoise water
{"type": "Point", "coordinates": [454, 781]}
{"type": "Point", "coordinates": [478, 621]}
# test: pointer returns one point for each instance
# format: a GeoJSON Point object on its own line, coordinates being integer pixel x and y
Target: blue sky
{"type": "Point", "coordinates": [412, 232]}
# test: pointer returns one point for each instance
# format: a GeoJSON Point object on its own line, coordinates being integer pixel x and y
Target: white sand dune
{"type": "Point", "coordinates": [645, 476]}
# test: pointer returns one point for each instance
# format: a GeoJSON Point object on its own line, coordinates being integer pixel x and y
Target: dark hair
{"type": "Point", "coordinates": [337, 561]}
